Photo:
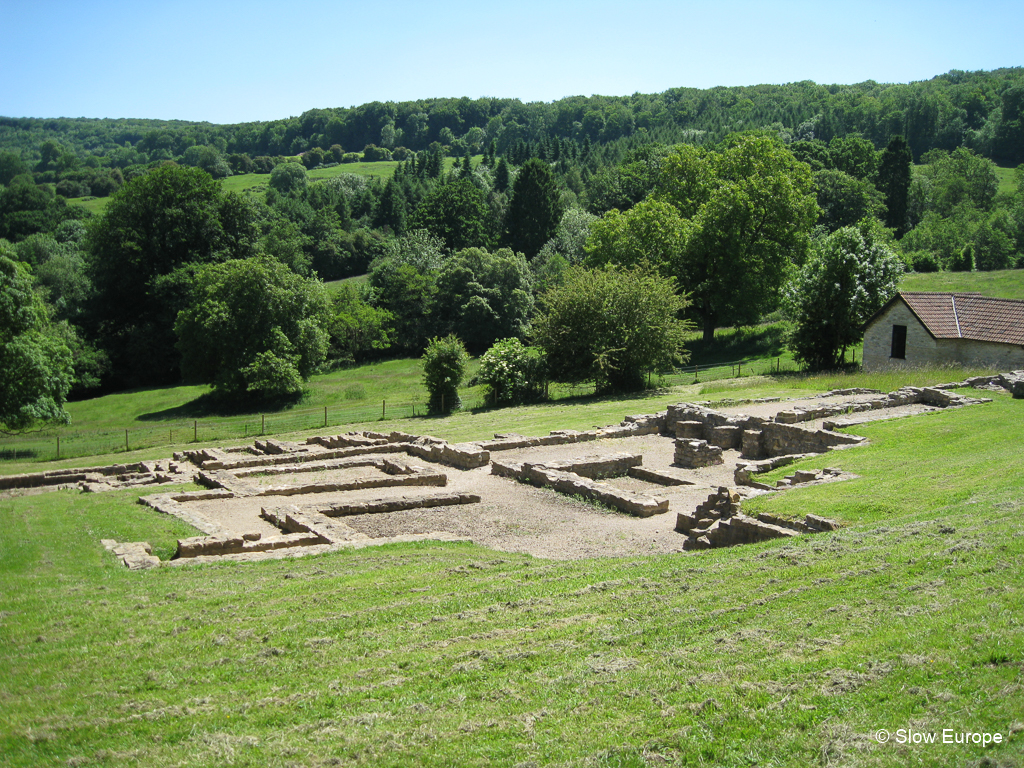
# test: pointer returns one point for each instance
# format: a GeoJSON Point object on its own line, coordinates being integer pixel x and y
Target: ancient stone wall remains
{"type": "Point", "coordinates": [718, 522]}
{"type": "Point", "coordinates": [693, 454]}
{"type": "Point", "coordinates": [568, 477]}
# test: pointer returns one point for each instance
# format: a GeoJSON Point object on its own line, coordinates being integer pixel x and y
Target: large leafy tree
{"type": "Point", "coordinates": [611, 326]}
{"type": "Point", "coordinates": [534, 210]}
{"type": "Point", "coordinates": [403, 281]}
{"type": "Point", "coordinates": [651, 231]}
{"type": "Point", "coordinates": [484, 296]}
{"type": "Point", "coordinates": [253, 329]}
{"type": "Point", "coordinates": [845, 200]}
{"type": "Point", "coordinates": [156, 225]}
{"type": "Point", "coordinates": [35, 362]}
{"type": "Point", "coordinates": [457, 213]}
{"type": "Point", "coordinates": [849, 276]}
{"type": "Point", "coordinates": [749, 206]}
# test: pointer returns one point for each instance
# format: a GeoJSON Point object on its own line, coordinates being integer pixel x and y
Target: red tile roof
{"type": "Point", "coordinates": [968, 316]}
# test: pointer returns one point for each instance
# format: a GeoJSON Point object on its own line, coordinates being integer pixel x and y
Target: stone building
{"type": "Point", "coordinates": [916, 329]}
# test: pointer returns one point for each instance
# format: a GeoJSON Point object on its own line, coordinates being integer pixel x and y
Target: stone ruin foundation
{"type": "Point", "coordinates": [275, 498]}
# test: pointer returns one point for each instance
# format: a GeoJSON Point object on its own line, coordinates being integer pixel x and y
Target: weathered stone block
{"type": "Point", "coordinates": [689, 430]}
{"type": "Point", "coordinates": [696, 453]}
{"type": "Point", "coordinates": [751, 445]}
{"type": "Point", "coordinates": [727, 436]}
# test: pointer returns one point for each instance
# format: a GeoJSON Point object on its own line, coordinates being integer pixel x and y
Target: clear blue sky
{"type": "Point", "coordinates": [227, 62]}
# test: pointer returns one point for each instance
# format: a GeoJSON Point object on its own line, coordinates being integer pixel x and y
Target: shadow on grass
{"type": "Point", "coordinates": [18, 454]}
{"type": "Point", "coordinates": [732, 344]}
{"type": "Point", "coordinates": [212, 404]}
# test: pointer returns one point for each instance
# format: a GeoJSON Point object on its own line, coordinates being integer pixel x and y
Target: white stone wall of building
{"type": "Point", "coordinates": [923, 350]}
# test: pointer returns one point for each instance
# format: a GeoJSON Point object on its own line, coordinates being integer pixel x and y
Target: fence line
{"type": "Point", "coordinates": [65, 444]}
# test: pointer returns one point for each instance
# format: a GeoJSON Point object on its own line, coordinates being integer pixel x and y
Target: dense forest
{"type": "Point", "coordinates": [725, 193]}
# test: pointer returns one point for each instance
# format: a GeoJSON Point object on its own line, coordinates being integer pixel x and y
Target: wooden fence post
{"type": "Point", "coordinates": [383, 408]}
{"type": "Point", "coordinates": [58, 446]}
{"type": "Point", "coordinates": [325, 417]}
{"type": "Point", "coordinates": [195, 431]}
{"type": "Point", "coordinates": [263, 424]}
{"type": "Point", "coordinates": [126, 439]}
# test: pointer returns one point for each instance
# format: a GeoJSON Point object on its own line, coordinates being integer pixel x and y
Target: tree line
{"type": "Point", "coordinates": [180, 279]}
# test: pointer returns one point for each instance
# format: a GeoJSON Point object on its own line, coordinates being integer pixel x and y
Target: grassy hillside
{"type": "Point", "coordinates": [1002, 284]}
{"type": "Point", "coordinates": [785, 654]}
{"type": "Point", "coordinates": [258, 181]}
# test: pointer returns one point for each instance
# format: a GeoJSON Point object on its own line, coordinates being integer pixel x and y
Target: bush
{"type": "Point", "coordinates": [444, 368]}
{"type": "Point", "coordinates": [372, 153]}
{"type": "Point", "coordinates": [923, 261]}
{"type": "Point", "coordinates": [513, 372]}
{"type": "Point", "coordinates": [964, 260]}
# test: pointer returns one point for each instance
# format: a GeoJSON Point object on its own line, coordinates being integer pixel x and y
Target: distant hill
{"type": "Point", "coordinates": [983, 110]}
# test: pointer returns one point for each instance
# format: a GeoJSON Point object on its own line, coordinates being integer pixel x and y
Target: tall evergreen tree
{"type": "Point", "coordinates": [894, 182]}
{"type": "Point", "coordinates": [535, 208]}
{"type": "Point", "coordinates": [392, 208]}
{"type": "Point", "coordinates": [501, 175]}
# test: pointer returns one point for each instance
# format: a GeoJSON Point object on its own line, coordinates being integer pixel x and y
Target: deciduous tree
{"type": "Point", "coordinates": [749, 207]}
{"type": "Point", "coordinates": [611, 326]}
{"type": "Point", "coordinates": [35, 362]}
{"type": "Point", "coordinates": [849, 276]}
{"type": "Point", "coordinates": [254, 329]}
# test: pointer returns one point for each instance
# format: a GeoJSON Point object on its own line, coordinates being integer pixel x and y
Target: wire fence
{"type": "Point", "coordinates": [66, 443]}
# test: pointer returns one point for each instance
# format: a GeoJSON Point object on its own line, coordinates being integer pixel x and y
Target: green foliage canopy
{"type": "Point", "coordinates": [456, 212]}
{"type": "Point", "coordinates": [484, 296]}
{"type": "Point", "coordinates": [444, 367]}
{"type": "Point", "coordinates": [534, 210]}
{"type": "Point", "coordinates": [849, 276]}
{"type": "Point", "coordinates": [254, 329]}
{"type": "Point", "coordinates": [749, 207]}
{"type": "Point", "coordinates": [611, 326]}
{"type": "Point", "coordinates": [35, 363]}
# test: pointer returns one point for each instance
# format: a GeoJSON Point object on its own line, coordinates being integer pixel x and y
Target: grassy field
{"type": "Point", "coordinates": [1007, 181]}
{"type": "Point", "coordinates": [134, 424]}
{"type": "Point", "coordinates": [779, 654]}
{"type": "Point", "coordinates": [95, 205]}
{"type": "Point", "coordinates": [1003, 284]}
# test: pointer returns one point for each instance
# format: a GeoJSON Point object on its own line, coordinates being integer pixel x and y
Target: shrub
{"type": "Point", "coordinates": [964, 260]}
{"type": "Point", "coordinates": [513, 372]}
{"type": "Point", "coordinates": [444, 367]}
{"type": "Point", "coordinates": [923, 261]}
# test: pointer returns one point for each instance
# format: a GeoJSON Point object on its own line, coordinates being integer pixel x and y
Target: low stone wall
{"type": "Point", "coordinates": [198, 546]}
{"type": "Point", "coordinates": [693, 454]}
{"type": "Point", "coordinates": [396, 505]}
{"type": "Point", "coordinates": [72, 476]}
{"type": "Point", "coordinates": [424, 479]}
{"type": "Point", "coordinates": [656, 476]}
{"type": "Point", "coordinates": [598, 467]}
{"type": "Point", "coordinates": [459, 455]}
{"type": "Point", "coordinates": [573, 484]}
{"type": "Point", "coordinates": [786, 439]}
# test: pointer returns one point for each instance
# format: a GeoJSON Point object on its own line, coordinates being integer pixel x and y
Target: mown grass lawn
{"type": "Point", "coordinates": [780, 654]}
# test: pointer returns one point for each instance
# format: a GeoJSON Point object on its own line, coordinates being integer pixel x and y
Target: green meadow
{"type": "Point", "coordinates": [1002, 284]}
{"type": "Point", "coordinates": [789, 653]}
